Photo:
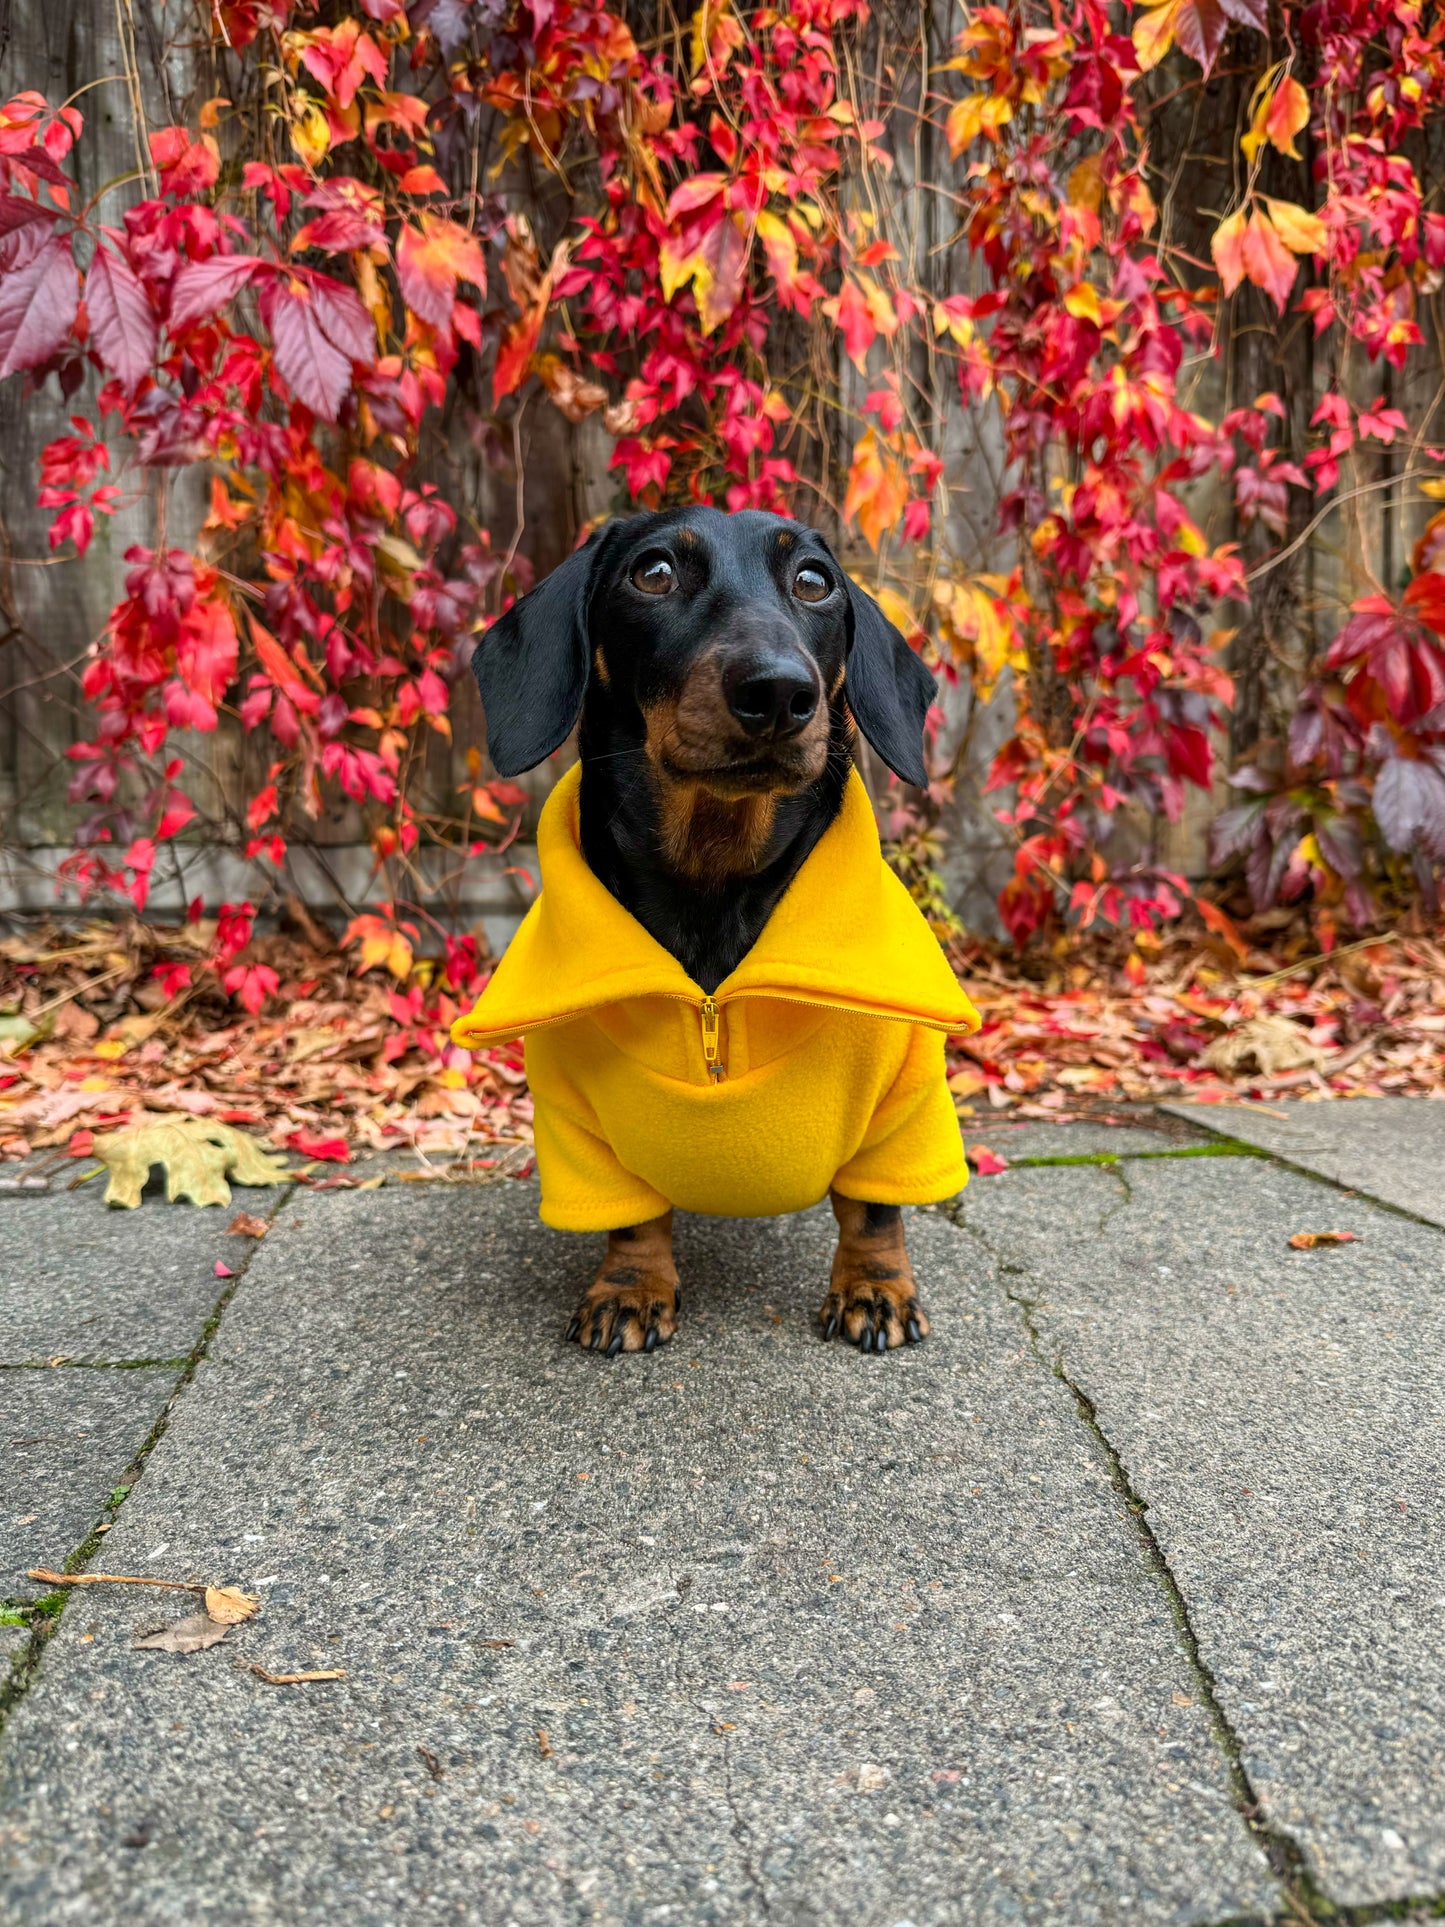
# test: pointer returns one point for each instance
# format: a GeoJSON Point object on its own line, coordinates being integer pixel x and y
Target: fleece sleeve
{"type": "Point", "coordinates": [912, 1149]}
{"type": "Point", "coordinates": [585, 1187]}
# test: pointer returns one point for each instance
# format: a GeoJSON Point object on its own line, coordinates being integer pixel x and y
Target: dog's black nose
{"type": "Point", "coordinates": [771, 696]}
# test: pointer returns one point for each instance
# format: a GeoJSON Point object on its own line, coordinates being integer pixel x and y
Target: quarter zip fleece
{"type": "Point", "coordinates": [817, 1064]}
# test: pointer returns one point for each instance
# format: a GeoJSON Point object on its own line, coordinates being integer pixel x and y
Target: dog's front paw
{"type": "Point", "coordinates": [874, 1307]}
{"type": "Point", "coordinates": [625, 1310]}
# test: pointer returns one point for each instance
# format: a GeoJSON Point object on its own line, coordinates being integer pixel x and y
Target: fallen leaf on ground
{"type": "Point", "coordinates": [245, 1225]}
{"type": "Point", "coordinates": [987, 1163]}
{"type": "Point", "coordinates": [229, 1605]}
{"type": "Point", "coordinates": [497, 1644]}
{"type": "Point", "coordinates": [192, 1635]}
{"type": "Point", "coordinates": [1308, 1240]}
{"type": "Point", "coordinates": [1270, 1044]}
{"type": "Point", "coordinates": [329, 1150]}
{"type": "Point", "coordinates": [297, 1679]}
{"type": "Point", "coordinates": [223, 1271]}
{"type": "Point", "coordinates": [198, 1155]}
{"type": "Point", "coordinates": [432, 1764]}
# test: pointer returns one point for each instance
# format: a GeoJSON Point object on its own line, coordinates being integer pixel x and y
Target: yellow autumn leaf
{"type": "Point", "coordinates": [1301, 231]}
{"type": "Point", "coordinates": [1276, 115]}
{"type": "Point", "coordinates": [1434, 488]}
{"type": "Point", "coordinates": [976, 114]}
{"type": "Point", "coordinates": [1154, 32]}
{"type": "Point", "coordinates": [957, 325]}
{"type": "Point", "coordinates": [780, 246]}
{"type": "Point", "coordinates": [1082, 302]}
{"type": "Point", "coordinates": [897, 610]}
{"type": "Point", "coordinates": [390, 949]}
{"type": "Point", "coordinates": [310, 133]}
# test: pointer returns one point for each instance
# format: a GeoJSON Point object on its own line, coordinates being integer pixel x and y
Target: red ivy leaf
{"type": "Point", "coordinates": [17, 212]}
{"type": "Point", "coordinates": [315, 370]}
{"type": "Point", "coordinates": [203, 287]}
{"type": "Point", "coordinates": [122, 324]}
{"type": "Point", "coordinates": [38, 305]}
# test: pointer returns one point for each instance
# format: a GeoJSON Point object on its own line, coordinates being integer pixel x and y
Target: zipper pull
{"type": "Point", "coordinates": [709, 1037]}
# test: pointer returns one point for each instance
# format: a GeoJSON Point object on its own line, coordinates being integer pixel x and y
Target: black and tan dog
{"type": "Point", "coordinates": [730, 1004]}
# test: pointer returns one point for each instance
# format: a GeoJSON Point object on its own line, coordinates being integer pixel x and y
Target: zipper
{"type": "Point", "coordinates": [710, 1037]}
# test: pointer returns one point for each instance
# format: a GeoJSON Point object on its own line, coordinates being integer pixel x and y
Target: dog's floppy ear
{"type": "Point", "coordinates": [531, 665]}
{"type": "Point", "coordinates": [888, 689]}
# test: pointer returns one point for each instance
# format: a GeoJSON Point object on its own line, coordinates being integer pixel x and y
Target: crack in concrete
{"type": "Point", "coordinates": [1304, 1900]}
{"type": "Point", "coordinates": [1418, 1907]}
{"type": "Point", "coordinates": [1351, 1190]}
{"type": "Point", "coordinates": [742, 1832]}
{"type": "Point", "coordinates": [1121, 1204]}
{"type": "Point", "coordinates": [44, 1614]}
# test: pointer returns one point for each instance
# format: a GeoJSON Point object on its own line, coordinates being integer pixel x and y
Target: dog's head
{"type": "Point", "coordinates": [726, 645]}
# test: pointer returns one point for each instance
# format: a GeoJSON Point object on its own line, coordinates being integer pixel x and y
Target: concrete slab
{"type": "Point", "coordinates": [750, 1627]}
{"type": "Point", "coordinates": [66, 1437]}
{"type": "Point", "coordinates": [80, 1280]}
{"type": "Point", "coordinates": [1282, 1414]}
{"type": "Point", "coordinates": [1391, 1148]}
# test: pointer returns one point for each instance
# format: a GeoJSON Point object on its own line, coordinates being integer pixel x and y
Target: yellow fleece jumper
{"type": "Point", "coordinates": [818, 1063]}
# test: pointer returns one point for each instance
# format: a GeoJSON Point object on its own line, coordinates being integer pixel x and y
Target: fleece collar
{"type": "Point", "coordinates": [845, 934]}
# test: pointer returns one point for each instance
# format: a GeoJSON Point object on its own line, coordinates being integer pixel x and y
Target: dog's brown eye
{"type": "Point", "coordinates": [653, 577]}
{"type": "Point", "coordinates": [811, 585]}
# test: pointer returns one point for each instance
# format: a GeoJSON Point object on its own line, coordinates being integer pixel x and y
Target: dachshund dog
{"type": "Point", "coordinates": [717, 667]}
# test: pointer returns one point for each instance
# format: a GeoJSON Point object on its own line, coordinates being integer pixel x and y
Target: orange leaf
{"type": "Point", "coordinates": [430, 260]}
{"type": "Point", "coordinates": [283, 671]}
{"type": "Point", "coordinates": [1301, 231]}
{"type": "Point", "coordinates": [1312, 1240]}
{"type": "Point", "coordinates": [853, 313]}
{"type": "Point", "coordinates": [1267, 261]}
{"type": "Point", "coordinates": [1227, 247]}
{"type": "Point", "coordinates": [877, 489]}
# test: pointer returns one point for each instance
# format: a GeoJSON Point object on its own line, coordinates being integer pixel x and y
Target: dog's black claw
{"type": "Point", "coordinates": [596, 1337]}
{"type": "Point", "coordinates": [880, 1337]}
{"type": "Point", "coordinates": [830, 1329]}
{"type": "Point", "coordinates": [649, 1344]}
{"type": "Point", "coordinates": [915, 1336]}
{"type": "Point", "coordinates": [616, 1346]}
{"type": "Point", "coordinates": [575, 1327]}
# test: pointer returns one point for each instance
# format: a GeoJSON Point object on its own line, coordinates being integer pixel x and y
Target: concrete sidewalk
{"type": "Point", "coordinates": [1120, 1599]}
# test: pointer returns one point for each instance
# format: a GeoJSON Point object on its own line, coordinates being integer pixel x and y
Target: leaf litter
{"type": "Point", "coordinates": [352, 1064]}
{"type": "Point", "coordinates": [1185, 1017]}
{"type": "Point", "coordinates": [347, 1063]}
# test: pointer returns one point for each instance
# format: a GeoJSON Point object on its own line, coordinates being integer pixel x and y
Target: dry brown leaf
{"type": "Point", "coordinates": [192, 1635]}
{"type": "Point", "coordinates": [1310, 1240]}
{"type": "Point", "coordinates": [245, 1225]}
{"type": "Point", "coordinates": [297, 1679]}
{"type": "Point", "coordinates": [1271, 1044]}
{"type": "Point", "coordinates": [198, 1154]}
{"type": "Point", "coordinates": [229, 1606]}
